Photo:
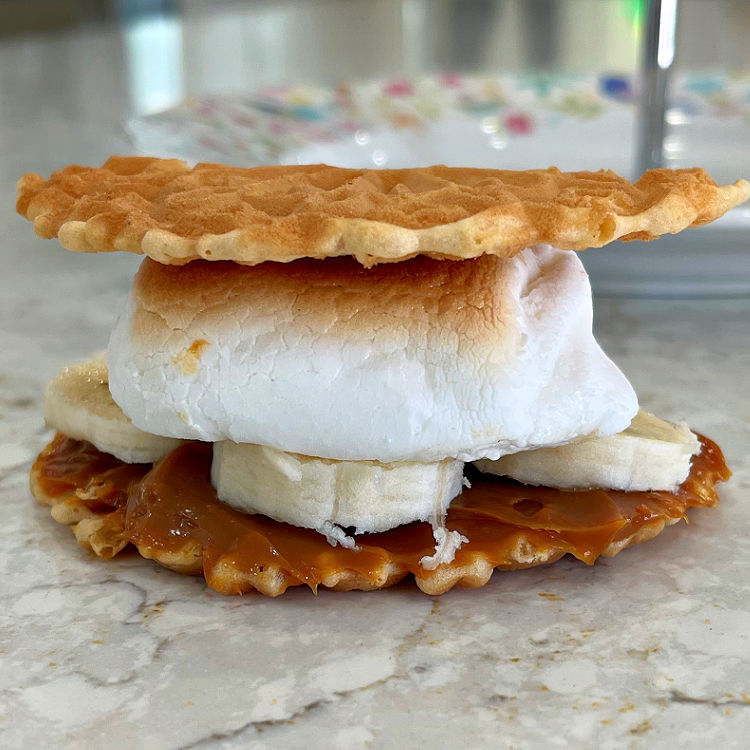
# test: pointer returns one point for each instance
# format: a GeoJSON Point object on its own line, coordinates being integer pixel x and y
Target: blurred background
{"type": "Point", "coordinates": [497, 83]}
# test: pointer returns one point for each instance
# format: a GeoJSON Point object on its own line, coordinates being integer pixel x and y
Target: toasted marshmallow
{"type": "Point", "coordinates": [417, 361]}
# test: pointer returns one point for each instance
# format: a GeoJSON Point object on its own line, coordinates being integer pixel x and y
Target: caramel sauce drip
{"type": "Point", "coordinates": [171, 506]}
{"type": "Point", "coordinates": [100, 480]}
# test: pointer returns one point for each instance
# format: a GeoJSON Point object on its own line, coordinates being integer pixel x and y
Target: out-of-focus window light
{"type": "Point", "coordinates": [152, 39]}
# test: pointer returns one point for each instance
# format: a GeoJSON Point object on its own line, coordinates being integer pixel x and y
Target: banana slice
{"type": "Point", "coordinates": [326, 495]}
{"type": "Point", "coordinates": [78, 403]}
{"type": "Point", "coordinates": [651, 454]}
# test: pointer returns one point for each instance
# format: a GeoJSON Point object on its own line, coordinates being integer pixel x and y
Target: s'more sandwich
{"type": "Point", "coordinates": [342, 377]}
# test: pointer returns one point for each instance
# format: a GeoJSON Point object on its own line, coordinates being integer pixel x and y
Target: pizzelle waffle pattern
{"type": "Point", "coordinates": [105, 536]}
{"type": "Point", "coordinates": [104, 531]}
{"type": "Point", "coordinates": [174, 214]}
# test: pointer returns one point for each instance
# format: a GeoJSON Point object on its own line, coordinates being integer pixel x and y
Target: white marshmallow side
{"type": "Point", "coordinates": [326, 495]}
{"type": "Point", "coordinates": [461, 369]}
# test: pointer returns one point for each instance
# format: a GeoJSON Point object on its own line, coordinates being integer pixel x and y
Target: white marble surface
{"type": "Point", "coordinates": [649, 649]}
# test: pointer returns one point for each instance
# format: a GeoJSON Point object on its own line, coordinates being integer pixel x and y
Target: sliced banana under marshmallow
{"type": "Point", "coordinates": [327, 495]}
{"type": "Point", "coordinates": [650, 454]}
{"type": "Point", "coordinates": [78, 403]}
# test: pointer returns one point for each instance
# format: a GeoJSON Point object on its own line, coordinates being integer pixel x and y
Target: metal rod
{"type": "Point", "coordinates": [658, 56]}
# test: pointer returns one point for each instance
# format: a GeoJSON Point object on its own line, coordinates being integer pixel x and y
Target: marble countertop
{"type": "Point", "coordinates": [649, 649]}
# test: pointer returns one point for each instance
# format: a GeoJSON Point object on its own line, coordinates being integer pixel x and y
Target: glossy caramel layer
{"type": "Point", "coordinates": [171, 510]}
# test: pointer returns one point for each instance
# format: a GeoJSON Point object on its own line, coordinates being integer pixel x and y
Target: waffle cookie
{"type": "Point", "coordinates": [110, 504]}
{"type": "Point", "coordinates": [174, 214]}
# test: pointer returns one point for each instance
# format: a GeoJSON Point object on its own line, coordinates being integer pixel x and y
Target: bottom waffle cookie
{"type": "Point", "coordinates": [170, 513]}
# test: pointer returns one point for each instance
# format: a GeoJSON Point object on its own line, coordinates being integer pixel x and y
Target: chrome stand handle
{"type": "Point", "coordinates": [658, 56]}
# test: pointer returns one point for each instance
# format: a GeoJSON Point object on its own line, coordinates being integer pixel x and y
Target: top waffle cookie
{"type": "Point", "coordinates": [174, 214]}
